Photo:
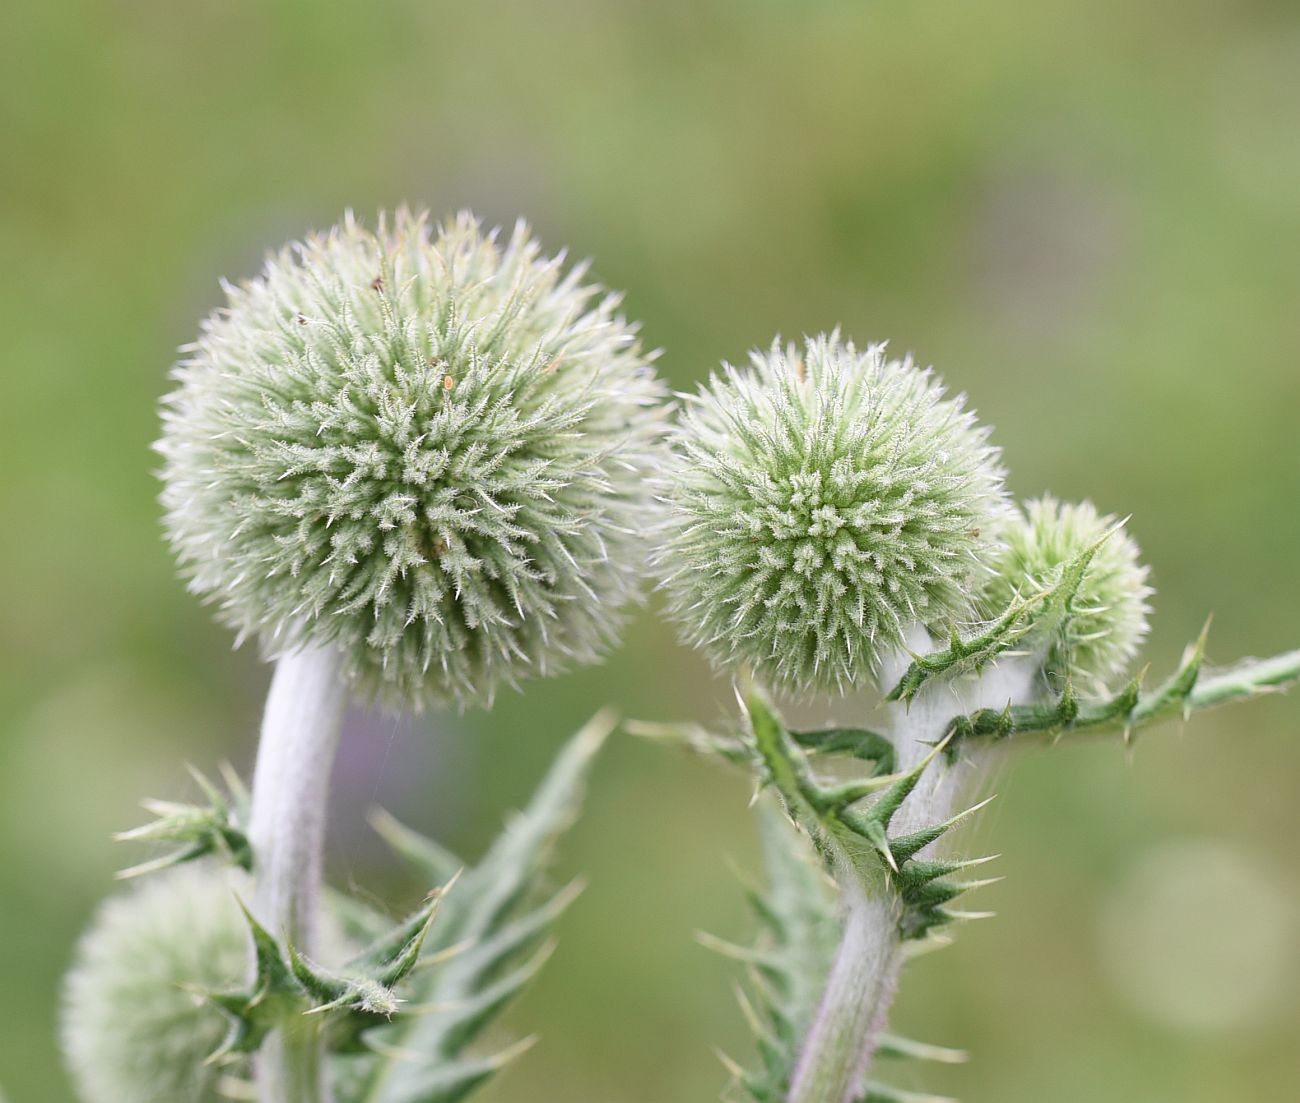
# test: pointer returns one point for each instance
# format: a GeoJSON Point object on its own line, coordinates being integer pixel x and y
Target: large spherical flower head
{"type": "Point", "coordinates": [429, 447]}
{"type": "Point", "coordinates": [131, 1031]}
{"type": "Point", "coordinates": [1109, 612]}
{"type": "Point", "coordinates": [823, 501]}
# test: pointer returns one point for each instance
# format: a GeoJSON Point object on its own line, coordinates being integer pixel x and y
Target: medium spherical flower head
{"type": "Point", "coordinates": [1108, 621]}
{"type": "Point", "coordinates": [427, 447]}
{"type": "Point", "coordinates": [823, 500]}
{"type": "Point", "coordinates": [131, 1030]}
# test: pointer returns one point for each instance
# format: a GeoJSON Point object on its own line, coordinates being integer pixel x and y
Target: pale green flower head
{"type": "Point", "coordinates": [1108, 618]}
{"type": "Point", "coordinates": [823, 500]}
{"type": "Point", "coordinates": [131, 1030]}
{"type": "Point", "coordinates": [429, 447]}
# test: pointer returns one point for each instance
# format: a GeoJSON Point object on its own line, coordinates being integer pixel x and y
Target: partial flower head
{"type": "Point", "coordinates": [131, 1030]}
{"type": "Point", "coordinates": [1107, 621]}
{"type": "Point", "coordinates": [823, 500]}
{"type": "Point", "coordinates": [428, 447]}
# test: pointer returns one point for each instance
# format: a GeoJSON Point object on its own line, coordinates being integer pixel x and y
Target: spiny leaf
{"type": "Point", "coordinates": [1189, 689]}
{"type": "Point", "coordinates": [432, 860]}
{"type": "Point", "coordinates": [883, 1093]}
{"type": "Point", "coordinates": [891, 1045]}
{"type": "Point", "coordinates": [963, 654]}
{"type": "Point", "coordinates": [917, 872]}
{"type": "Point", "coordinates": [692, 736]}
{"type": "Point", "coordinates": [254, 1011]}
{"type": "Point", "coordinates": [882, 811]}
{"type": "Point", "coordinates": [1021, 616]}
{"type": "Point", "coordinates": [214, 828]}
{"type": "Point", "coordinates": [360, 922]}
{"type": "Point", "coordinates": [857, 742]}
{"type": "Point", "coordinates": [786, 765]}
{"type": "Point", "coordinates": [446, 1082]}
{"type": "Point", "coordinates": [792, 959]}
{"type": "Point", "coordinates": [1174, 694]}
{"type": "Point", "coordinates": [905, 846]}
{"type": "Point", "coordinates": [853, 840]}
{"type": "Point", "coordinates": [499, 929]}
{"type": "Point", "coordinates": [390, 957]}
{"type": "Point", "coordinates": [272, 973]}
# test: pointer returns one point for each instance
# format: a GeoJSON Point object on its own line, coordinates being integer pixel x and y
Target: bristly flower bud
{"type": "Point", "coordinates": [822, 501]}
{"type": "Point", "coordinates": [1099, 634]}
{"type": "Point", "coordinates": [429, 448]}
{"type": "Point", "coordinates": [131, 1030]}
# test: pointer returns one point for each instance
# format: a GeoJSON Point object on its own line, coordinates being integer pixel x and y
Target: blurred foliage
{"type": "Point", "coordinates": [1084, 213]}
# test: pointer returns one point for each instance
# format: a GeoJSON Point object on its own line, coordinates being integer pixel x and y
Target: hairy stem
{"type": "Point", "coordinates": [851, 1016]}
{"type": "Point", "coordinates": [841, 1042]}
{"type": "Point", "coordinates": [300, 733]}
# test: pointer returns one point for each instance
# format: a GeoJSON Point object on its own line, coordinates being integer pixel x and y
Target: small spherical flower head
{"type": "Point", "coordinates": [1109, 613]}
{"type": "Point", "coordinates": [823, 501]}
{"type": "Point", "coordinates": [427, 447]}
{"type": "Point", "coordinates": [131, 1030]}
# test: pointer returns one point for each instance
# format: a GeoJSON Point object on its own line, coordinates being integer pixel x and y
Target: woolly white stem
{"type": "Point", "coordinates": [854, 1007]}
{"type": "Point", "coordinates": [300, 733]}
{"type": "Point", "coordinates": [859, 990]}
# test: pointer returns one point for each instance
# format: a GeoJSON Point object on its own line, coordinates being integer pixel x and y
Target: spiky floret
{"type": "Point", "coordinates": [130, 1030]}
{"type": "Point", "coordinates": [1097, 636]}
{"type": "Point", "coordinates": [427, 446]}
{"type": "Point", "coordinates": [823, 500]}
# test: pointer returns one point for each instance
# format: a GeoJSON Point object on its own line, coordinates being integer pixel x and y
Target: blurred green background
{"type": "Point", "coordinates": [1087, 215]}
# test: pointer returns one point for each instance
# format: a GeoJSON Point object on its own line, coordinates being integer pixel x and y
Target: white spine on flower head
{"type": "Point", "coordinates": [822, 501]}
{"type": "Point", "coordinates": [429, 448]}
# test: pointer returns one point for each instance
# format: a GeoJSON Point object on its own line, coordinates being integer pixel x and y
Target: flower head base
{"type": "Point", "coordinates": [1107, 619]}
{"type": "Point", "coordinates": [130, 1029]}
{"type": "Point", "coordinates": [822, 502]}
{"type": "Point", "coordinates": [429, 448]}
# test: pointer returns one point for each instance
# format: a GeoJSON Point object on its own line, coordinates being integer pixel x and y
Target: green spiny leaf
{"type": "Point", "coordinates": [960, 655]}
{"type": "Point", "coordinates": [792, 959]}
{"type": "Point", "coordinates": [500, 930]}
{"type": "Point", "coordinates": [200, 830]}
{"type": "Point", "coordinates": [432, 860]}
{"type": "Point", "coordinates": [273, 995]}
{"type": "Point", "coordinates": [446, 1081]}
{"type": "Point", "coordinates": [906, 846]}
{"type": "Point", "coordinates": [1022, 615]}
{"type": "Point", "coordinates": [693, 737]}
{"type": "Point", "coordinates": [883, 1093]}
{"type": "Point", "coordinates": [891, 1045]}
{"type": "Point", "coordinates": [857, 742]}
{"type": "Point", "coordinates": [1188, 690]}
{"type": "Point", "coordinates": [1175, 693]}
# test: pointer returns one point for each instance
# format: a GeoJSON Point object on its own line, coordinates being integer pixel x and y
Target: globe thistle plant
{"type": "Point", "coordinates": [427, 448]}
{"type": "Point", "coordinates": [420, 464]}
{"type": "Point", "coordinates": [1100, 633]}
{"type": "Point", "coordinates": [823, 500]}
{"type": "Point", "coordinates": [414, 463]}
{"type": "Point", "coordinates": [831, 510]}
{"type": "Point", "coordinates": [132, 1027]}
